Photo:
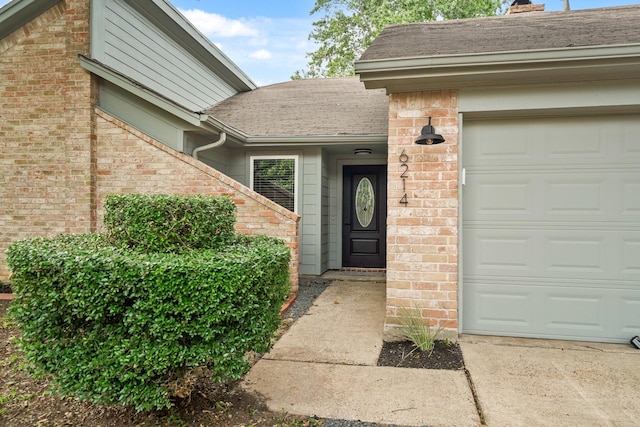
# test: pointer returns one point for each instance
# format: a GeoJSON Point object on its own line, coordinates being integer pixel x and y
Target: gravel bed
{"type": "Point", "coordinates": [309, 288]}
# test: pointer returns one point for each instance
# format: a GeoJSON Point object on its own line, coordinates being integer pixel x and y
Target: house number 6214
{"type": "Point", "coordinates": [404, 158]}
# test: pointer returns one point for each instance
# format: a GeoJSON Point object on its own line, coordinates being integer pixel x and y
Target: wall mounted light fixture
{"type": "Point", "coordinates": [362, 151]}
{"type": "Point", "coordinates": [428, 136]}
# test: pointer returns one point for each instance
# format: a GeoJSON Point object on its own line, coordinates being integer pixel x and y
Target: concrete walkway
{"type": "Point", "coordinates": [325, 366]}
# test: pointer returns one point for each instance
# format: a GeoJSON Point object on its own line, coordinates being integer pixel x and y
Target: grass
{"type": "Point", "coordinates": [418, 330]}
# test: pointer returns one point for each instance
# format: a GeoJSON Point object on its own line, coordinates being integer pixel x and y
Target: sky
{"type": "Point", "coordinates": [269, 40]}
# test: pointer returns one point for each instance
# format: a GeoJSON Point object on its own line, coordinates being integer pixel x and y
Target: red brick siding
{"type": "Point", "coordinates": [45, 128]}
{"type": "Point", "coordinates": [422, 237]}
{"type": "Point", "coordinates": [129, 161]}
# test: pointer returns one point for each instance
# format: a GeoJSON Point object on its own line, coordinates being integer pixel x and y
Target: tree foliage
{"type": "Point", "coordinates": [347, 27]}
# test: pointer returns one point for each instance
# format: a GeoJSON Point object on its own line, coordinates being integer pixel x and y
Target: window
{"type": "Point", "coordinates": [275, 178]}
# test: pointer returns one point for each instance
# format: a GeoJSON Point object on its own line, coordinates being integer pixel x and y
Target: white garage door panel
{"type": "Point", "coordinates": [551, 228]}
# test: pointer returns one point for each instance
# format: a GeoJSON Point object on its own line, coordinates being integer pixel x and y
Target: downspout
{"type": "Point", "coordinates": [215, 144]}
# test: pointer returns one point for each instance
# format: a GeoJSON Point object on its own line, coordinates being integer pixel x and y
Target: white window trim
{"type": "Point", "coordinates": [296, 172]}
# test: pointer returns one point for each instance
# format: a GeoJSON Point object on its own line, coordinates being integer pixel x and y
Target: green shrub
{"type": "Point", "coordinates": [114, 325]}
{"type": "Point", "coordinates": [169, 223]}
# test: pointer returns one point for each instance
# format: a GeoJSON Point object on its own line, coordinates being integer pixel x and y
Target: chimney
{"type": "Point", "coordinates": [522, 6]}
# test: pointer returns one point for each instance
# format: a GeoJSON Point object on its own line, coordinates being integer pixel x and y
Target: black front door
{"type": "Point", "coordinates": [364, 216]}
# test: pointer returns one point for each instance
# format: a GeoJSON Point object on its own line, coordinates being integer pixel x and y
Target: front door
{"type": "Point", "coordinates": [364, 216]}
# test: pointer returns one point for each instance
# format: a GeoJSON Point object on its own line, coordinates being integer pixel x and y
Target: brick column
{"type": "Point", "coordinates": [422, 234]}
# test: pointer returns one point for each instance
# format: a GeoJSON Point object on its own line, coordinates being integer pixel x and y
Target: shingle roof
{"type": "Point", "coordinates": [517, 32]}
{"type": "Point", "coordinates": [311, 107]}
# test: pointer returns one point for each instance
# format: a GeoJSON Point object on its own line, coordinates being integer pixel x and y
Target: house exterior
{"type": "Point", "coordinates": [524, 222]}
{"type": "Point", "coordinates": [115, 96]}
{"type": "Point", "coordinates": [100, 97]}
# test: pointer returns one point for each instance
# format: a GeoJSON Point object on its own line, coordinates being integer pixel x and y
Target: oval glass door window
{"type": "Point", "coordinates": [365, 202]}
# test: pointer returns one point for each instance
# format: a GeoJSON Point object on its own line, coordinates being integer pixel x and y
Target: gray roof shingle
{"type": "Point", "coordinates": [311, 107]}
{"type": "Point", "coordinates": [517, 32]}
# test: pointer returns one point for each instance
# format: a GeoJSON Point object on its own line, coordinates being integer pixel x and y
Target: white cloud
{"type": "Point", "coordinates": [212, 24]}
{"type": "Point", "coordinates": [268, 50]}
{"type": "Point", "coordinates": [261, 54]}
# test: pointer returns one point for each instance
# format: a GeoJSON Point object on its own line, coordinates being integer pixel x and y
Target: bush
{"type": "Point", "coordinates": [115, 325]}
{"type": "Point", "coordinates": [169, 223]}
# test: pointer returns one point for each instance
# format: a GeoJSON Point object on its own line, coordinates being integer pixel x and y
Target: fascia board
{"type": "Point", "coordinates": [193, 118]}
{"type": "Point", "coordinates": [215, 124]}
{"type": "Point", "coordinates": [317, 140]}
{"type": "Point", "coordinates": [455, 69]}
{"type": "Point", "coordinates": [17, 13]}
{"type": "Point", "coordinates": [288, 140]}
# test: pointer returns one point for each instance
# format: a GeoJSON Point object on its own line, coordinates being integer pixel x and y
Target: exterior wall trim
{"type": "Point", "coordinates": [15, 14]}
{"type": "Point", "coordinates": [138, 90]}
{"type": "Point", "coordinates": [500, 68]}
{"type": "Point", "coordinates": [339, 206]}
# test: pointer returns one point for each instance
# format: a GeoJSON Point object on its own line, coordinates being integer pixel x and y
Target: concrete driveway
{"type": "Point", "coordinates": [528, 382]}
{"type": "Point", "coordinates": [325, 366]}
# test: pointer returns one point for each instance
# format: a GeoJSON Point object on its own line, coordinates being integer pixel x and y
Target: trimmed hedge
{"type": "Point", "coordinates": [169, 223]}
{"type": "Point", "coordinates": [116, 325]}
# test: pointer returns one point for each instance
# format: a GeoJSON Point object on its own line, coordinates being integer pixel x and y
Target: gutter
{"type": "Point", "coordinates": [215, 144]}
{"type": "Point", "coordinates": [460, 70]}
{"type": "Point", "coordinates": [245, 139]}
{"type": "Point", "coordinates": [564, 54]}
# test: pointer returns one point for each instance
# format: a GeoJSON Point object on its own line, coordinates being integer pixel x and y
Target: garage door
{"type": "Point", "coordinates": [551, 228]}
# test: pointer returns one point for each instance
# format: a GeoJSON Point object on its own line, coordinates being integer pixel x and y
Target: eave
{"type": "Point", "coordinates": [139, 90]}
{"type": "Point", "coordinates": [17, 13]}
{"type": "Point", "coordinates": [571, 64]}
{"type": "Point", "coordinates": [211, 124]}
{"type": "Point", "coordinates": [307, 140]}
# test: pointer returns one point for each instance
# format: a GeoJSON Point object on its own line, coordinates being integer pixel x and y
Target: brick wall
{"type": "Point", "coordinates": [129, 161]}
{"type": "Point", "coordinates": [422, 236]}
{"type": "Point", "coordinates": [45, 128]}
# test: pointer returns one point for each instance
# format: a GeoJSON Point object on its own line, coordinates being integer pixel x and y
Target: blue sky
{"type": "Point", "coordinates": [268, 40]}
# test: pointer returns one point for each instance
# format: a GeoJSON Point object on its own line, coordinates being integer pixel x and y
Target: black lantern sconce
{"type": "Point", "coordinates": [428, 136]}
